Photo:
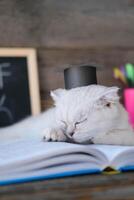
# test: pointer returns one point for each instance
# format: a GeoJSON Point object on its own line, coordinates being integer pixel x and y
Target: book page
{"type": "Point", "coordinates": [112, 151]}
{"type": "Point", "coordinates": [27, 151]}
{"type": "Point", "coordinates": [23, 155]}
{"type": "Point", "coordinates": [24, 149]}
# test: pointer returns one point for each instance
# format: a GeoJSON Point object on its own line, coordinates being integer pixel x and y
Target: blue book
{"type": "Point", "coordinates": [26, 160]}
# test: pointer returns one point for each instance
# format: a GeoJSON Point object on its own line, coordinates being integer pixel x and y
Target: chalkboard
{"type": "Point", "coordinates": [19, 88]}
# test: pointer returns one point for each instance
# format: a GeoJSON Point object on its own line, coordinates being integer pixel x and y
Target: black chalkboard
{"type": "Point", "coordinates": [15, 99]}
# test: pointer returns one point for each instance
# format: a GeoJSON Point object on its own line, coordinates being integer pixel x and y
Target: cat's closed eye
{"type": "Point", "coordinates": [79, 122]}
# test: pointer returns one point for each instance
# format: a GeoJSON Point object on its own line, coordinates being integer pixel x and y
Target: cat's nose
{"type": "Point", "coordinates": [71, 134]}
{"type": "Point", "coordinates": [70, 131]}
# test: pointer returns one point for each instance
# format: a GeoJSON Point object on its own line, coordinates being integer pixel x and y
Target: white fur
{"type": "Point", "coordinates": [90, 114]}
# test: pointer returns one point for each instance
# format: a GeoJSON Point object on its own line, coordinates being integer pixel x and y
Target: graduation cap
{"type": "Point", "coordinates": [77, 76]}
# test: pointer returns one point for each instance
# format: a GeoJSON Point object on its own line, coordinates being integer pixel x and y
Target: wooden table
{"type": "Point", "coordinates": [119, 186]}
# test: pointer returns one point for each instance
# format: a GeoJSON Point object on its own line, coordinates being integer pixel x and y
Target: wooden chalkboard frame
{"type": "Point", "coordinates": [31, 57]}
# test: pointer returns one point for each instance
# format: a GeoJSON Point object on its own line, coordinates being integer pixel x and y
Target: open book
{"type": "Point", "coordinates": [22, 161]}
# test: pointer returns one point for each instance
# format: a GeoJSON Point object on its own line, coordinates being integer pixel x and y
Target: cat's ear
{"type": "Point", "coordinates": [56, 94]}
{"type": "Point", "coordinates": [111, 95]}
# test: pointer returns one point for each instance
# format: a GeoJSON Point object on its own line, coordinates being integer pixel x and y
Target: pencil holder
{"type": "Point", "coordinates": [129, 104]}
{"type": "Point", "coordinates": [78, 76]}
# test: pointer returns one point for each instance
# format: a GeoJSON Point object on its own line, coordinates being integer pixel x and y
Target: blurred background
{"type": "Point", "coordinates": [66, 32]}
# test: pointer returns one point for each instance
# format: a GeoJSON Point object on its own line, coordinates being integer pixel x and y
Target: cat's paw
{"type": "Point", "coordinates": [54, 135]}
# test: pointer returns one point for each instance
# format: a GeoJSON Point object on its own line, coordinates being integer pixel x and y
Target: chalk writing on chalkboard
{"type": "Point", "coordinates": [3, 73]}
{"type": "Point", "coordinates": [14, 90]}
{"type": "Point", "coordinates": [3, 97]}
{"type": "Point", "coordinates": [19, 85]}
{"type": "Point", "coordinates": [5, 110]}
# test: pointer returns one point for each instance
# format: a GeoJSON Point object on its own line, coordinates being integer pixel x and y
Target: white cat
{"type": "Point", "coordinates": [90, 114]}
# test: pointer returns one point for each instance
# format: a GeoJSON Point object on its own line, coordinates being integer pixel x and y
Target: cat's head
{"type": "Point", "coordinates": [85, 112]}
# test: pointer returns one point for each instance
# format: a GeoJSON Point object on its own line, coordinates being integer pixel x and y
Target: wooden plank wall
{"type": "Point", "coordinates": [67, 32]}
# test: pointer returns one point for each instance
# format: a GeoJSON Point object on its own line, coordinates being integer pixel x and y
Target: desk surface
{"type": "Point", "coordinates": [119, 186]}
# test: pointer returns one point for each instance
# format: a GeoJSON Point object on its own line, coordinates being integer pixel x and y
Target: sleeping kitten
{"type": "Point", "coordinates": [90, 114]}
